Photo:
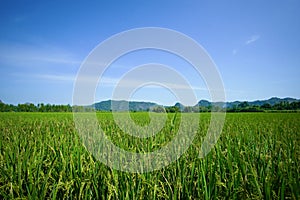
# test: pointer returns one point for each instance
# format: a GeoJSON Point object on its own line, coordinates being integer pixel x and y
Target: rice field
{"type": "Point", "coordinates": [256, 157]}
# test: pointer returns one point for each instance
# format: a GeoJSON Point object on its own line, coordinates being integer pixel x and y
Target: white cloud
{"type": "Point", "coordinates": [253, 38]}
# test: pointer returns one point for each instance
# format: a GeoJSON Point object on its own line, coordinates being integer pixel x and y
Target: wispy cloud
{"type": "Point", "coordinates": [132, 83]}
{"type": "Point", "coordinates": [52, 77]}
{"type": "Point", "coordinates": [253, 38]}
{"type": "Point", "coordinates": [113, 82]}
{"type": "Point", "coordinates": [24, 55]}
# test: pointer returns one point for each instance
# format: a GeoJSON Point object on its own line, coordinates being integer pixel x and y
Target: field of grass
{"type": "Point", "coordinates": [256, 157]}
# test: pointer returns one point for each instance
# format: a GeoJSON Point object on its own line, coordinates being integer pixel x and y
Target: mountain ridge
{"type": "Point", "coordinates": [122, 105]}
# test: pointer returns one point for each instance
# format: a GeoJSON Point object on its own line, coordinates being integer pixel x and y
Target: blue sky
{"type": "Point", "coordinates": [255, 45]}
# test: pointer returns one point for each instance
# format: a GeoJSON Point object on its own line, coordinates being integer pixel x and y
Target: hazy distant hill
{"type": "Point", "coordinates": [272, 101]}
{"type": "Point", "coordinates": [123, 105]}
{"type": "Point", "coordinates": [204, 103]}
{"type": "Point", "coordinates": [179, 106]}
{"type": "Point", "coordinates": [272, 104]}
{"type": "Point", "coordinates": [144, 106]}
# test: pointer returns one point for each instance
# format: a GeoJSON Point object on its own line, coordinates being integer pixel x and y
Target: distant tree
{"type": "Point", "coordinates": [203, 109]}
{"type": "Point", "coordinates": [41, 107]}
{"type": "Point", "coordinates": [281, 106]}
{"type": "Point", "coordinates": [244, 104]}
{"type": "Point", "coordinates": [295, 105]}
{"type": "Point", "coordinates": [78, 109]}
{"type": "Point", "coordinates": [242, 107]}
{"type": "Point", "coordinates": [266, 106]}
{"type": "Point", "coordinates": [158, 109]}
{"type": "Point", "coordinates": [32, 108]}
{"type": "Point", "coordinates": [216, 108]}
{"type": "Point", "coordinates": [188, 109]}
{"type": "Point", "coordinates": [172, 109]}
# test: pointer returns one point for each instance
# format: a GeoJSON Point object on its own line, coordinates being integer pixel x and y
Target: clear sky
{"type": "Point", "coordinates": [255, 45]}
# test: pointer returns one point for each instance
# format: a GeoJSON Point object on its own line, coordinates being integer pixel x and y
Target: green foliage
{"type": "Point", "coordinates": [172, 109]}
{"type": "Point", "coordinates": [256, 157]}
{"type": "Point", "coordinates": [120, 106]}
{"type": "Point", "coordinates": [282, 106]}
{"type": "Point", "coordinates": [29, 107]}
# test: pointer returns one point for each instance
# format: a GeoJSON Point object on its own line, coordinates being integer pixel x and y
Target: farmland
{"type": "Point", "coordinates": [256, 157]}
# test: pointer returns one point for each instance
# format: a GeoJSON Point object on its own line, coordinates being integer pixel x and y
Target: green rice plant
{"type": "Point", "coordinates": [256, 157]}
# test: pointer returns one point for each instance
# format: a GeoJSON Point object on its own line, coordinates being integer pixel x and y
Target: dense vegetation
{"type": "Point", "coordinates": [30, 107]}
{"type": "Point", "coordinates": [256, 157]}
{"type": "Point", "coordinates": [245, 107]}
{"type": "Point", "coordinates": [241, 107]}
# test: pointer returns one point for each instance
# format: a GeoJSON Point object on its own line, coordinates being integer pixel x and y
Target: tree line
{"type": "Point", "coordinates": [30, 107]}
{"type": "Point", "coordinates": [282, 106]}
{"type": "Point", "coordinates": [242, 107]}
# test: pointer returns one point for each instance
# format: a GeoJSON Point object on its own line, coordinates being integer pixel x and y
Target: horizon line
{"type": "Point", "coordinates": [146, 101]}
